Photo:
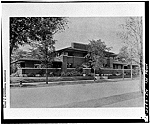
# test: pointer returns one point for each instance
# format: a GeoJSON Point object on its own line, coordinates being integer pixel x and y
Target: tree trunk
{"type": "Point", "coordinates": [141, 78]}
{"type": "Point", "coordinates": [131, 71]}
{"type": "Point", "coordinates": [46, 75]}
{"type": "Point", "coordinates": [94, 73]}
{"type": "Point", "coordinates": [11, 49]}
{"type": "Point", "coordinates": [123, 72]}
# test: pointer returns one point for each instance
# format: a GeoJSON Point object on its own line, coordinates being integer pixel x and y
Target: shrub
{"type": "Point", "coordinates": [41, 72]}
{"type": "Point", "coordinates": [15, 74]}
{"type": "Point", "coordinates": [24, 75]}
{"type": "Point", "coordinates": [57, 73]}
{"type": "Point", "coordinates": [68, 74]}
{"type": "Point", "coordinates": [51, 74]}
{"type": "Point", "coordinates": [79, 69]}
{"type": "Point", "coordinates": [37, 75]}
{"type": "Point", "coordinates": [75, 73]}
{"type": "Point", "coordinates": [31, 75]}
{"type": "Point", "coordinates": [63, 74]}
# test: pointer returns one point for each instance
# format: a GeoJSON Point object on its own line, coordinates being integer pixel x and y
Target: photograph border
{"type": "Point", "coordinates": [5, 80]}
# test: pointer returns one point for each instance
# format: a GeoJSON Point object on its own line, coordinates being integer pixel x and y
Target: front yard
{"type": "Point", "coordinates": [50, 79]}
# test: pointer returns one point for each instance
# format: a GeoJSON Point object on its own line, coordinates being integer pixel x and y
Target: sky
{"type": "Point", "coordinates": [86, 21]}
{"type": "Point", "coordinates": [83, 29]}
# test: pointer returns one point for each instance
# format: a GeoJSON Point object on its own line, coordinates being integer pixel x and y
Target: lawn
{"type": "Point", "coordinates": [50, 79]}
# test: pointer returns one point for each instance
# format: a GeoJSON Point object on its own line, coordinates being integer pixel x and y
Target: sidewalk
{"type": "Point", "coordinates": [42, 84]}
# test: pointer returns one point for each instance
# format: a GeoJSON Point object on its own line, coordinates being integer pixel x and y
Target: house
{"type": "Point", "coordinates": [68, 58]}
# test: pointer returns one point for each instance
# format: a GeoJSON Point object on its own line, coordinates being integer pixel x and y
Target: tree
{"type": "Point", "coordinates": [24, 30]}
{"type": "Point", "coordinates": [96, 54]}
{"type": "Point", "coordinates": [19, 30]}
{"type": "Point", "coordinates": [39, 29]}
{"type": "Point", "coordinates": [19, 53]}
{"type": "Point", "coordinates": [126, 55]}
{"type": "Point", "coordinates": [123, 54]}
{"type": "Point", "coordinates": [132, 36]}
{"type": "Point", "coordinates": [44, 28]}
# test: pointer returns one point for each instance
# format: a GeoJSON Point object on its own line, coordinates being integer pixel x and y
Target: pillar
{"type": "Point", "coordinates": [64, 64]}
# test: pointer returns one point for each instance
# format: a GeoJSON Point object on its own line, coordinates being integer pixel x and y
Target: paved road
{"type": "Point", "coordinates": [45, 97]}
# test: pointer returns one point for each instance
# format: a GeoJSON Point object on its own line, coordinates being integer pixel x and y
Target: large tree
{"type": "Point", "coordinates": [35, 29]}
{"type": "Point", "coordinates": [132, 36]}
{"type": "Point", "coordinates": [126, 55]}
{"type": "Point", "coordinates": [19, 53]}
{"type": "Point", "coordinates": [96, 54]}
{"type": "Point", "coordinates": [44, 29]}
{"type": "Point", "coordinates": [23, 30]}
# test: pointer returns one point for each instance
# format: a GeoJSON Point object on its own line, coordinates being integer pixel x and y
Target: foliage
{"type": "Point", "coordinates": [44, 28]}
{"type": "Point", "coordinates": [41, 72]}
{"type": "Point", "coordinates": [16, 74]}
{"type": "Point", "coordinates": [79, 69]}
{"type": "Point", "coordinates": [39, 31]}
{"type": "Point", "coordinates": [31, 74]}
{"type": "Point", "coordinates": [18, 54]}
{"type": "Point", "coordinates": [15, 56]}
{"type": "Point", "coordinates": [125, 54]}
{"type": "Point", "coordinates": [63, 74]}
{"type": "Point", "coordinates": [27, 29]}
{"type": "Point", "coordinates": [18, 32]}
{"type": "Point", "coordinates": [96, 53]}
{"type": "Point", "coordinates": [72, 73]}
{"type": "Point", "coordinates": [132, 36]}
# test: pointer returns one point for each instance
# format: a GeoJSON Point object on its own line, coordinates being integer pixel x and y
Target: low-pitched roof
{"type": "Point", "coordinates": [81, 50]}
{"type": "Point", "coordinates": [25, 59]}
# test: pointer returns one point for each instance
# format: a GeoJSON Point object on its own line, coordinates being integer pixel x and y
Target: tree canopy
{"type": "Point", "coordinates": [96, 53]}
{"type": "Point", "coordinates": [27, 29]}
{"type": "Point", "coordinates": [132, 36]}
{"type": "Point", "coordinates": [125, 55]}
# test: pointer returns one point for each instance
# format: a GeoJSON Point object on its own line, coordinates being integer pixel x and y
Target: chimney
{"type": "Point", "coordinates": [72, 45]}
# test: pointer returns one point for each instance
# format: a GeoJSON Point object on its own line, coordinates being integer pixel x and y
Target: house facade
{"type": "Point", "coordinates": [68, 58]}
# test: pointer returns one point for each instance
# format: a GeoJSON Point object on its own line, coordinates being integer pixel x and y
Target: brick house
{"type": "Point", "coordinates": [67, 58]}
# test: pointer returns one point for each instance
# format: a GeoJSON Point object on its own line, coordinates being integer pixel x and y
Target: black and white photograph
{"type": "Point", "coordinates": [67, 59]}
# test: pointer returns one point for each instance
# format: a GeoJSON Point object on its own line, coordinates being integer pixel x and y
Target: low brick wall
{"type": "Point", "coordinates": [42, 71]}
{"type": "Point", "coordinates": [26, 71]}
{"type": "Point", "coordinates": [57, 71]}
{"type": "Point", "coordinates": [117, 71]}
{"type": "Point", "coordinates": [87, 70]}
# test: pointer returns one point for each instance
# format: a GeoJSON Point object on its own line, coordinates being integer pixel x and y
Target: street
{"type": "Point", "coordinates": [53, 96]}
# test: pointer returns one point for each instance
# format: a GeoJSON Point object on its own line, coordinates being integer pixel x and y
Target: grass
{"type": "Point", "coordinates": [50, 79]}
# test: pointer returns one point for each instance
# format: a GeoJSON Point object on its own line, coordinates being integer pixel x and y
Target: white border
{"type": "Point", "coordinates": [66, 10]}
